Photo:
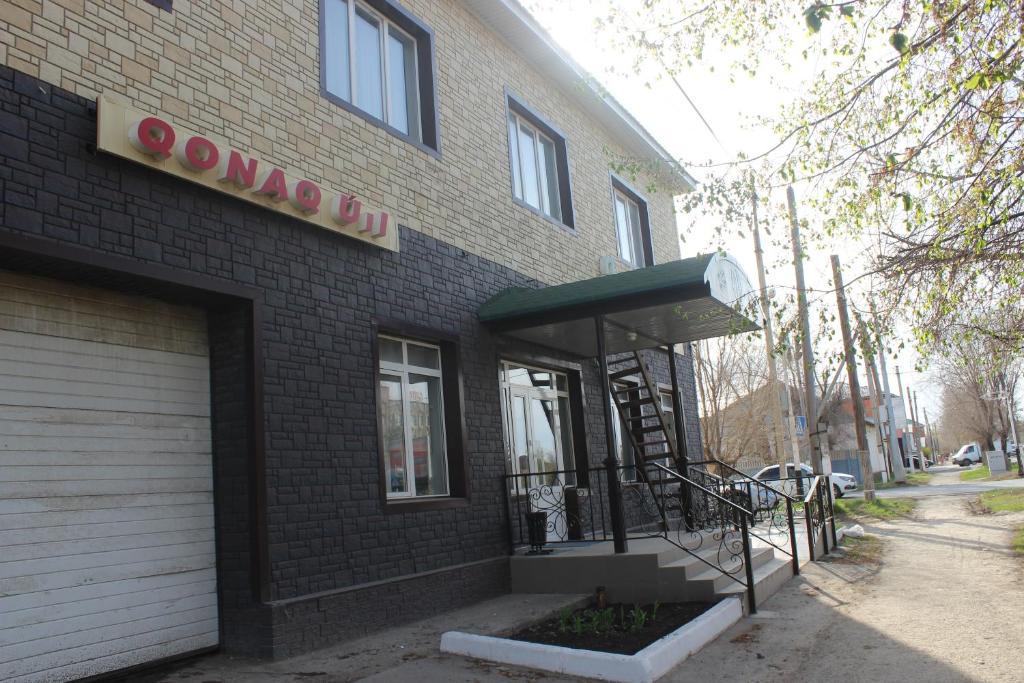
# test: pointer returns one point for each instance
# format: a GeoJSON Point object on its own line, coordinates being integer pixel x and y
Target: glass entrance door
{"type": "Point", "coordinates": [539, 440]}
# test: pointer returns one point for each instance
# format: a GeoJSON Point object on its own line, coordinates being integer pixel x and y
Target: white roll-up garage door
{"type": "Point", "coordinates": [106, 485]}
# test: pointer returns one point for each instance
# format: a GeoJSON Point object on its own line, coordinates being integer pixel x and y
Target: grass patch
{"type": "Point", "coordinates": [881, 508]}
{"type": "Point", "coordinates": [1003, 500]}
{"type": "Point", "coordinates": [1018, 541]}
{"type": "Point", "coordinates": [867, 549]}
{"type": "Point", "coordinates": [915, 479]}
{"type": "Point", "coordinates": [984, 473]}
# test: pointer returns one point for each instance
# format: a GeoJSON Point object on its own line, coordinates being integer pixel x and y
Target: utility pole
{"type": "Point", "coordinates": [913, 426]}
{"type": "Point", "coordinates": [927, 438]}
{"type": "Point", "coordinates": [907, 443]}
{"type": "Point", "coordinates": [851, 371]}
{"type": "Point", "coordinates": [898, 473]}
{"type": "Point", "coordinates": [813, 433]}
{"type": "Point", "coordinates": [873, 390]}
{"type": "Point", "coordinates": [769, 341]}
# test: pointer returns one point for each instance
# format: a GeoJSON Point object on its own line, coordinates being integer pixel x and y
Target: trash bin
{"type": "Point", "coordinates": [537, 530]}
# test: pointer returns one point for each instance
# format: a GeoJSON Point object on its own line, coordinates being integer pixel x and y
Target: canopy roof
{"type": "Point", "coordinates": [675, 302]}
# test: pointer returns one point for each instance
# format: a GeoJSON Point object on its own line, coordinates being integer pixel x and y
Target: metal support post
{"type": "Point", "coordinates": [610, 464]}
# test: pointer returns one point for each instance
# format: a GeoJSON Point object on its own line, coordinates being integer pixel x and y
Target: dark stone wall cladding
{"type": "Point", "coordinates": [321, 295]}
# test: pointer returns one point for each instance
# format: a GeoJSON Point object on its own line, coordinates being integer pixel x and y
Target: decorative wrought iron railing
{"type": "Point", "coordinates": [769, 502]}
{"type": "Point", "coordinates": [712, 503]}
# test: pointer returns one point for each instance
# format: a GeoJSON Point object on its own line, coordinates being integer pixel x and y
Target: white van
{"type": "Point", "coordinates": [968, 454]}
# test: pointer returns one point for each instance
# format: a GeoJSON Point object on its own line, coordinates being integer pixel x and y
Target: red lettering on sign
{"type": "Point", "coordinates": [234, 170]}
{"type": "Point", "coordinates": [152, 136]}
{"type": "Point", "coordinates": [345, 209]}
{"type": "Point", "coordinates": [197, 154]}
{"type": "Point", "coordinates": [305, 196]}
{"type": "Point", "coordinates": [274, 185]}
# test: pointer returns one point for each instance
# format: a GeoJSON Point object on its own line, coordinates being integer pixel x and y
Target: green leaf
{"type": "Point", "coordinates": [813, 18]}
{"type": "Point", "coordinates": [900, 42]}
{"type": "Point", "coordinates": [846, 11]}
{"type": "Point", "coordinates": [908, 202]}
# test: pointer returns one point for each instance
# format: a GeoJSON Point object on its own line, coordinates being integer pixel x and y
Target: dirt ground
{"type": "Point", "coordinates": [946, 603]}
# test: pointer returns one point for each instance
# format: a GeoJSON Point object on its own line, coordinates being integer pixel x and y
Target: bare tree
{"type": "Point", "coordinates": [976, 374]}
{"type": "Point", "coordinates": [730, 369]}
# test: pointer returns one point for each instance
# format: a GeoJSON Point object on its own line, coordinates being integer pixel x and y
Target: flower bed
{"type": "Point", "coordinates": [621, 628]}
{"type": "Point", "coordinates": [645, 666]}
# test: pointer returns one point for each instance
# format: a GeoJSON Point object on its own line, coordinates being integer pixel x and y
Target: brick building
{"type": "Point", "coordinates": [246, 398]}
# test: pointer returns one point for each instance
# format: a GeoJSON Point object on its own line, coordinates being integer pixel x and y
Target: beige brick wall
{"type": "Point", "coordinates": [248, 71]}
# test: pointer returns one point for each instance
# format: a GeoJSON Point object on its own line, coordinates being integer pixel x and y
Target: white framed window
{"type": "Point", "coordinates": [411, 408]}
{"type": "Point", "coordinates": [373, 64]}
{"type": "Point", "coordinates": [630, 229]}
{"type": "Point", "coordinates": [534, 166]}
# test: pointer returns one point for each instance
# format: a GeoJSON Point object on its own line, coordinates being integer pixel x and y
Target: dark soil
{"type": "Point", "coordinates": [618, 631]}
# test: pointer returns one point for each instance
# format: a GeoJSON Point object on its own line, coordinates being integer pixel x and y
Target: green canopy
{"type": "Point", "coordinates": [680, 301]}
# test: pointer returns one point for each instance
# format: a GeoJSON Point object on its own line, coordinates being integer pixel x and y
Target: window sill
{"type": "Point", "coordinates": [540, 214]}
{"type": "Point", "coordinates": [369, 118]}
{"type": "Point", "coordinates": [393, 506]}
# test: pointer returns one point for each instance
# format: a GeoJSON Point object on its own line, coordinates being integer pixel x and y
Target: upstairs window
{"type": "Point", "coordinates": [632, 227]}
{"type": "Point", "coordinates": [377, 62]}
{"type": "Point", "coordinates": [539, 165]}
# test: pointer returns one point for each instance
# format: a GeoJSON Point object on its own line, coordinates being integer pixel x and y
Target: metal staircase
{"type": "Point", "coordinates": [638, 404]}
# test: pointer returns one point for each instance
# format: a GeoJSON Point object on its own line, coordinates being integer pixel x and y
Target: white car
{"type": "Point", "coordinates": [841, 483]}
{"type": "Point", "coordinates": [968, 454]}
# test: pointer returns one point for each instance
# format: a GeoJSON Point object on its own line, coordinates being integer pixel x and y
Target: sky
{"type": "Point", "coordinates": [732, 110]}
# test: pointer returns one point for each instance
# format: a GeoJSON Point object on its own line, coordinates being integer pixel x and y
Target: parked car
{"type": "Point", "coordinates": [841, 483]}
{"type": "Point", "coordinates": [917, 462]}
{"type": "Point", "coordinates": [968, 454]}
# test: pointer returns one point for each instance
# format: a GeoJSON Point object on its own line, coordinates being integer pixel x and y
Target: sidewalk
{"type": "Point", "coordinates": [408, 653]}
{"type": "Point", "coordinates": [944, 605]}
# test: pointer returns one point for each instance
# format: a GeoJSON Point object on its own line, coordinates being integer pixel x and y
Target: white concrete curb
{"type": "Point", "coordinates": [646, 666]}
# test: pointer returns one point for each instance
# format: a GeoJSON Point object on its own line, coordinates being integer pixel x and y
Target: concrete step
{"type": "Point", "coordinates": [691, 579]}
{"type": "Point", "coordinates": [693, 569]}
{"type": "Point", "coordinates": [768, 578]}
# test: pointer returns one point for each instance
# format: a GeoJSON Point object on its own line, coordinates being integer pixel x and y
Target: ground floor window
{"type": "Point", "coordinates": [538, 433]}
{"type": "Point", "coordinates": [411, 406]}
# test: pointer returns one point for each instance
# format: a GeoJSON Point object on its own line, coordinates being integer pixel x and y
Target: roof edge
{"type": "Point", "coordinates": [599, 102]}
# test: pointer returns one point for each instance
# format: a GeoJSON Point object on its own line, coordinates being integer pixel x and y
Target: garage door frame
{"type": "Point", "coordinates": [235, 317]}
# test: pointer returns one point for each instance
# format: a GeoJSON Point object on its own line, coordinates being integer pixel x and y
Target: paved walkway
{"type": "Point", "coordinates": [946, 482]}
{"type": "Point", "coordinates": [946, 604]}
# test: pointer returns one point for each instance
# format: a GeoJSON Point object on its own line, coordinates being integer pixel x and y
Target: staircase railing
{"type": "Point", "coordinates": [770, 508]}
{"type": "Point", "coordinates": [722, 528]}
{"type": "Point", "coordinates": [819, 515]}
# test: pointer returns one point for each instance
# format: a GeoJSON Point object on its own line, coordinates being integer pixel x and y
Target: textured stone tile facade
{"type": "Point", "coordinates": [249, 71]}
{"type": "Point", "coordinates": [331, 544]}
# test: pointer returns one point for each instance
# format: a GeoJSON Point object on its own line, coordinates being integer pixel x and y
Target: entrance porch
{"type": "Point", "coordinates": [652, 520]}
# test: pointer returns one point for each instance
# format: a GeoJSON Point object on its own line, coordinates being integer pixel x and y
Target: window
{"type": "Point", "coordinates": [538, 164]}
{"type": "Point", "coordinates": [632, 227]}
{"type": "Point", "coordinates": [668, 410]}
{"type": "Point", "coordinates": [411, 405]}
{"type": "Point", "coordinates": [377, 61]}
{"type": "Point", "coordinates": [162, 4]}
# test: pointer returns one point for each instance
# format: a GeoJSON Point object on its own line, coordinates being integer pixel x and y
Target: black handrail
{"type": "Point", "coordinates": [747, 481]}
{"type": "Point", "coordinates": [744, 532]}
{"type": "Point", "coordinates": [746, 477]}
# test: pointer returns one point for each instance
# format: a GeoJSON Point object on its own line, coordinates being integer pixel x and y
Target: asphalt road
{"type": "Point", "coordinates": [945, 482]}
